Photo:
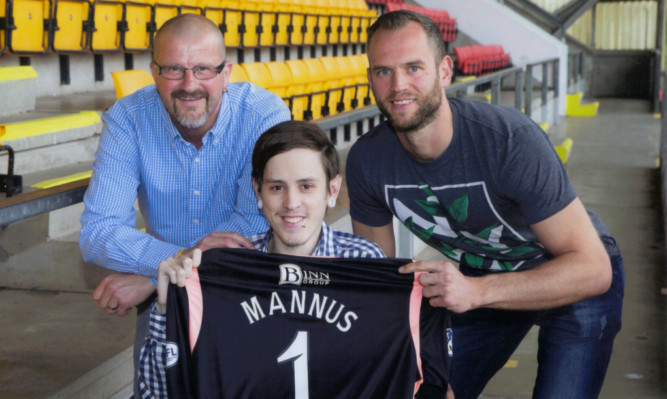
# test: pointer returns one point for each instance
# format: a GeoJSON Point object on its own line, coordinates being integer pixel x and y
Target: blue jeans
{"type": "Point", "coordinates": [575, 343]}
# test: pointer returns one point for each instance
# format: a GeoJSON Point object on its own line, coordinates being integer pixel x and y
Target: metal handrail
{"type": "Point", "coordinates": [554, 63]}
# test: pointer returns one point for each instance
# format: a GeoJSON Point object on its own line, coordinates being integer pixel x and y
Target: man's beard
{"type": "Point", "coordinates": [184, 117]}
{"type": "Point", "coordinates": [428, 109]}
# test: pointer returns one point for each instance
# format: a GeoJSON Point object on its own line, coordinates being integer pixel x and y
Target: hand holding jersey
{"type": "Point", "coordinates": [174, 270]}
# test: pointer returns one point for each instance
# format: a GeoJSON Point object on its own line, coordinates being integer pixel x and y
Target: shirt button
{"type": "Point", "coordinates": [197, 160]}
{"type": "Point", "coordinates": [195, 221]}
{"type": "Point", "coordinates": [196, 192]}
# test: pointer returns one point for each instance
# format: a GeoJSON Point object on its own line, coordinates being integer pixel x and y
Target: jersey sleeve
{"type": "Point", "coordinates": [533, 176]}
{"type": "Point", "coordinates": [367, 205]}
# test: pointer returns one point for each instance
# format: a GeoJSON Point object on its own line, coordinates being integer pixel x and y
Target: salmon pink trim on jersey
{"type": "Point", "coordinates": [196, 306]}
{"type": "Point", "coordinates": [415, 311]}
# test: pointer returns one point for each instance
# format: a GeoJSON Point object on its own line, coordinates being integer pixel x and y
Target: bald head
{"type": "Point", "coordinates": [188, 27]}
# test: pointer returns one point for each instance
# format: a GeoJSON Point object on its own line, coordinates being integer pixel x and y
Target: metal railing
{"type": "Point", "coordinates": [550, 81]}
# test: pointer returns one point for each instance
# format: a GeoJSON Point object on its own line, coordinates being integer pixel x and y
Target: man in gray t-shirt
{"type": "Point", "coordinates": [483, 185]}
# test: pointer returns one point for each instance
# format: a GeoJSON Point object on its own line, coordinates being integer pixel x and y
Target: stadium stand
{"type": "Point", "coordinates": [446, 24]}
{"type": "Point", "coordinates": [19, 86]}
{"type": "Point", "coordinates": [478, 60]}
{"type": "Point", "coordinates": [3, 26]}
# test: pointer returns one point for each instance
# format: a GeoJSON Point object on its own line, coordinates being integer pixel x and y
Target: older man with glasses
{"type": "Point", "coordinates": [182, 148]}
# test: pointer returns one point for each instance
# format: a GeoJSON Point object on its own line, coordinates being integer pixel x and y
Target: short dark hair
{"type": "Point", "coordinates": [400, 18]}
{"type": "Point", "coordinates": [290, 135]}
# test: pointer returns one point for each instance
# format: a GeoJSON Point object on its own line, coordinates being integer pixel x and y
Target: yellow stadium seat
{"type": "Point", "coordinates": [163, 10]}
{"type": "Point", "coordinates": [232, 20]}
{"type": "Point", "coordinates": [70, 33]}
{"type": "Point", "coordinates": [285, 23]}
{"type": "Point", "coordinates": [300, 99]}
{"type": "Point", "coordinates": [29, 34]}
{"type": "Point", "coordinates": [189, 7]}
{"type": "Point", "coordinates": [127, 82]}
{"type": "Point", "coordinates": [363, 96]}
{"type": "Point", "coordinates": [335, 84]}
{"type": "Point", "coordinates": [266, 21]}
{"type": "Point", "coordinates": [105, 35]}
{"type": "Point", "coordinates": [318, 87]}
{"type": "Point", "coordinates": [281, 78]}
{"type": "Point", "coordinates": [258, 74]}
{"type": "Point", "coordinates": [238, 74]}
{"type": "Point", "coordinates": [139, 26]}
{"type": "Point", "coordinates": [332, 9]}
{"type": "Point", "coordinates": [308, 13]}
{"type": "Point", "coordinates": [349, 81]}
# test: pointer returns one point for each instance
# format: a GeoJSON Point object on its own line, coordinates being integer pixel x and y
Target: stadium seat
{"type": "Point", "coordinates": [138, 26]}
{"type": "Point", "coordinates": [359, 63]}
{"type": "Point", "coordinates": [258, 74]}
{"type": "Point", "coordinates": [105, 33]}
{"type": "Point", "coordinates": [317, 88]}
{"type": "Point", "coordinates": [32, 24]}
{"type": "Point", "coordinates": [350, 82]}
{"type": "Point", "coordinates": [287, 24]}
{"type": "Point", "coordinates": [304, 9]}
{"type": "Point", "coordinates": [334, 85]}
{"type": "Point", "coordinates": [127, 82]}
{"type": "Point", "coordinates": [299, 103]}
{"type": "Point", "coordinates": [162, 11]}
{"type": "Point", "coordinates": [71, 26]}
{"type": "Point", "coordinates": [238, 74]}
{"type": "Point", "coordinates": [281, 78]}
{"type": "Point", "coordinates": [190, 7]}
{"type": "Point", "coordinates": [232, 21]}
{"type": "Point", "coordinates": [266, 28]}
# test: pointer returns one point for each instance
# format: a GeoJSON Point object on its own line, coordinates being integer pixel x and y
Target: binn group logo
{"type": "Point", "coordinates": [292, 274]}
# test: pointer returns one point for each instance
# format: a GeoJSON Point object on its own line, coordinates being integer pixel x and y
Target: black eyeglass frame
{"type": "Point", "coordinates": [218, 69]}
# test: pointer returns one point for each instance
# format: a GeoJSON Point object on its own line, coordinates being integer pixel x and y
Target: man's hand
{"type": "Point", "coordinates": [174, 270]}
{"type": "Point", "coordinates": [445, 285]}
{"type": "Point", "coordinates": [221, 240]}
{"type": "Point", "coordinates": [119, 293]}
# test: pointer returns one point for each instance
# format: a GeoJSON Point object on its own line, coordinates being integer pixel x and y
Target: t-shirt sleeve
{"type": "Point", "coordinates": [364, 188]}
{"type": "Point", "coordinates": [536, 178]}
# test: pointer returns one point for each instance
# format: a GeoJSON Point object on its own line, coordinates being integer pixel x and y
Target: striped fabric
{"type": "Point", "coordinates": [183, 193]}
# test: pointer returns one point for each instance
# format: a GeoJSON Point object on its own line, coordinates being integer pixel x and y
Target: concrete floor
{"type": "Point", "coordinates": [49, 339]}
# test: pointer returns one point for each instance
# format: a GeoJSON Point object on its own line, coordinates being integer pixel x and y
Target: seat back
{"type": "Point", "coordinates": [71, 31]}
{"type": "Point", "coordinates": [30, 33]}
{"type": "Point", "coordinates": [106, 17]}
{"type": "Point", "coordinates": [129, 81]}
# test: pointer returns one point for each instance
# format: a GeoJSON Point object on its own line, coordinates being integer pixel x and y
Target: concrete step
{"type": "Point", "coordinates": [18, 85]}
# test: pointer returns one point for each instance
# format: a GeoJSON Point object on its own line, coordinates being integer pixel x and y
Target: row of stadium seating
{"type": "Point", "coordinates": [314, 87]}
{"type": "Point", "coordinates": [70, 26]}
{"type": "Point", "coordinates": [478, 60]}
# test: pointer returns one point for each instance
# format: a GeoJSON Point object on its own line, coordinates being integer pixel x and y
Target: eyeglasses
{"type": "Point", "coordinates": [201, 72]}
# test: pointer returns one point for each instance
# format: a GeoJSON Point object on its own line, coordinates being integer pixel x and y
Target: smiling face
{"type": "Point", "coordinates": [295, 193]}
{"type": "Point", "coordinates": [406, 81]}
{"type": "Point", "coordinates": [193, 104]}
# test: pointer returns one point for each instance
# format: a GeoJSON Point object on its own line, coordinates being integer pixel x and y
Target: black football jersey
{"type": "Point", "coordinates": [256, 325]}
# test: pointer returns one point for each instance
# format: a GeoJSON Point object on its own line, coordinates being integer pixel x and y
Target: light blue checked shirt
{"type": "Point", "coordinates": [153, 359]}
{"type": "Point", "coordinates": [183, 193]}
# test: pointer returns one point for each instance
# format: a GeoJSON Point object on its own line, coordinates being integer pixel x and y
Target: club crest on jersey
{"type": "Point", "coordinates": [172, 353]}
{"type": "Point", "coordinates": [293, 274]}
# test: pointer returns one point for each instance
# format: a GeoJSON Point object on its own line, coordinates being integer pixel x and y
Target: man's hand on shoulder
{"type": "Point", "coordinates": [225, 239]}
{"type": "Point", "coordinates": [119, 293]}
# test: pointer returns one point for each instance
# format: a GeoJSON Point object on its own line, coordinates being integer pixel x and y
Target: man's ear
{"type": "Point", "coordinates": [334, 186]}
{"type": "Point", "coordinates": [445, 69]}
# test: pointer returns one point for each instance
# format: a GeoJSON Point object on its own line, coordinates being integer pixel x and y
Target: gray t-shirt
{"type": "Point", "coordinates": [475, 203]}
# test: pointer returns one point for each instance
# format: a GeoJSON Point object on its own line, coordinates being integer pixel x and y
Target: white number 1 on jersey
{"type": "Point", "coordinates": [297, 352]}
